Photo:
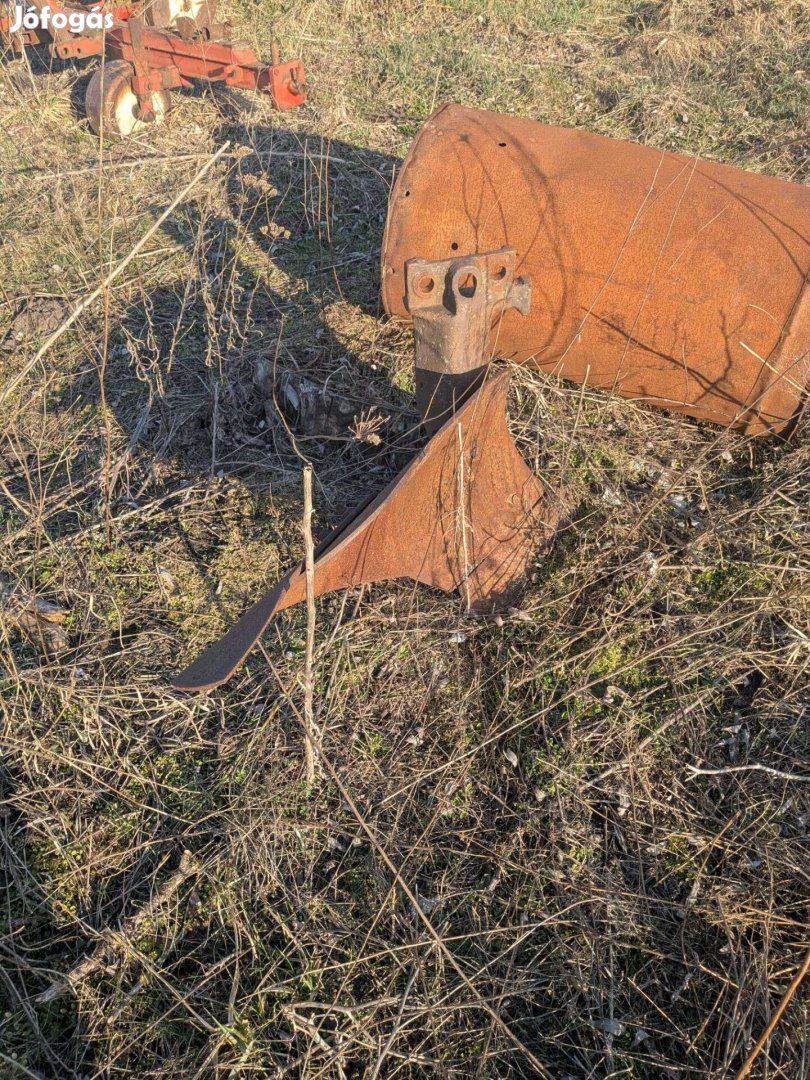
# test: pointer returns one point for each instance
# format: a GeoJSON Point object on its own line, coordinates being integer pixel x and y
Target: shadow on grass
{"type": "Point", "coordinates": [271, 351]}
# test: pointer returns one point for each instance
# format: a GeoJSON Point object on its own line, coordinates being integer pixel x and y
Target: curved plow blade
{"type": "Point", "coordinates": [467, 513]}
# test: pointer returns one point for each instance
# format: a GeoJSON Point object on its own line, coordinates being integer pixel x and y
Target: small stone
{"type": "Point", "coordinates": [292, 397]}
{"type": "Point", "coordinates": [611, 1027]}
{"type": "Point", "coordinates": [166, 578]}
{"type": "Point", "coordinates": [650, 563]}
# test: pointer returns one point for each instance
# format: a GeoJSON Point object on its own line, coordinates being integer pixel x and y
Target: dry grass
{"type": "Point", "coordinates": [532, 778]}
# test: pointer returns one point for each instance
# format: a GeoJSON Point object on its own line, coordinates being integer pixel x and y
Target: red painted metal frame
{"type": "Point", "coordinates": [163, 59]}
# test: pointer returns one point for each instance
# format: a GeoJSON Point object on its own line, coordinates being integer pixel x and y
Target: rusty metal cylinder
{"type": "Point", "coordinates": [654, 275]}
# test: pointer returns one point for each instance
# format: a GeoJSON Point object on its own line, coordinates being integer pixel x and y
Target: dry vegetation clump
{"type": "Point", "coordinates": [599, 801]}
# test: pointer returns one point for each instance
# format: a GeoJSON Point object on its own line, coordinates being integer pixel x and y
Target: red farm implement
{"type": "Point", "coordinates": [147, 50]}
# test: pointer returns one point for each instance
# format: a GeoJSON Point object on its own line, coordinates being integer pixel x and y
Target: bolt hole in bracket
{"type": "Point", "coordinates": [455, 303]}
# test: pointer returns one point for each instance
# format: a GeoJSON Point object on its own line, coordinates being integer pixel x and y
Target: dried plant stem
{"type": "Point", "coordinates": [798, 978]}
{"type": "Point", "coordinates": [111, 940]}
{"type": "Point", "coordinates": [462, 519]}
{"type": "Point", "coordinates": [799, 778]}
{"type": "Point", "coordinates": [309, 565]}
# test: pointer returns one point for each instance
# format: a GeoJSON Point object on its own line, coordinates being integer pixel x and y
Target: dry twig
{"type": "Point", "coordinates": [121, 940]}
{"type": "Point", "coordinates": [778, 1012]}
{"type": "Point", "coordinates": [309, 563]}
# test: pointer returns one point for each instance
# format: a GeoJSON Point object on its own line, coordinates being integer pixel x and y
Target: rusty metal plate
{"type": "Point", "coordinates": [454, 303]}
{"type": "Point", "coordinates": [466, 514]}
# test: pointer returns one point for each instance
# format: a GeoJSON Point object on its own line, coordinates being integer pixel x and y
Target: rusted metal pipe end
{"type": "Point", "coordinates": [466, 514]}
{"type": "Point", "coordinates": [657, 276]}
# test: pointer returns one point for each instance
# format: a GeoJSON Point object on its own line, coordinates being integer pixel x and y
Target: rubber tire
{"type": "Point", "coordinates": [110, 101]}
{"type": "Point", "coordinates": [163, 14]}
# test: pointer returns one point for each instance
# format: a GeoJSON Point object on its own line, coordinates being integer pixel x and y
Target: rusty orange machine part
{"type": "Point", "coordinates": [657, 276]}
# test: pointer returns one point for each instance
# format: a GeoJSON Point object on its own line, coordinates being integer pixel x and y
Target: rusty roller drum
{"type": "Point", "coordinates": [657, 276]}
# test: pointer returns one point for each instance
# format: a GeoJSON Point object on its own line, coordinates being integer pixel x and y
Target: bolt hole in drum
{"type": "Point", "coordinates": [425, 284]}
{"type": "Point", "coordinates": [112, 106]}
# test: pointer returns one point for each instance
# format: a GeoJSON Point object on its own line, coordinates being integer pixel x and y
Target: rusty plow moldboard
{"type": "Point", "coordinates": [467, 513]}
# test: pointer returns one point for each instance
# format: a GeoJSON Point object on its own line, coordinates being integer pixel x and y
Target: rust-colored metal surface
{"type": "Point", "coordinates": [657, 276]}
{"type": "Point", "coordinates": [466, 514]}
{"type": "Point", "coordinates": [453, 304]}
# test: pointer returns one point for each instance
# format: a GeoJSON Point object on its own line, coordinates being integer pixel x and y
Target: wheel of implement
{"type": "Point", "coordinates": [168, 13]}
{"type": "Point", "coordinates": [111, 104]}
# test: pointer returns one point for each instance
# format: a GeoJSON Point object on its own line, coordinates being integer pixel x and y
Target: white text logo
{"type": "Point", "coordinates": [76, 21]}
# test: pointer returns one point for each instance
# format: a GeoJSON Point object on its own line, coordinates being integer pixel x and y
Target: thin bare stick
{"type": "Point", "coordinates": [113, 274]}
{"type": "Point", "coordinates": [801, 778]}
{"type": "Point", "coordinates": [111, 940]}
{"type": "Point", "coordinates": [309, 565]}
{"type": "Point", "coordinates": [462, 520]}
{"type": "Point", "coordinates": [166, 159]}
{"type": "Point", "coordinates": [798, 978]}
{"type": "Point", "coordinates": [21, 1069]}
{"type": "Point", "coordinates": [390, 1041]}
